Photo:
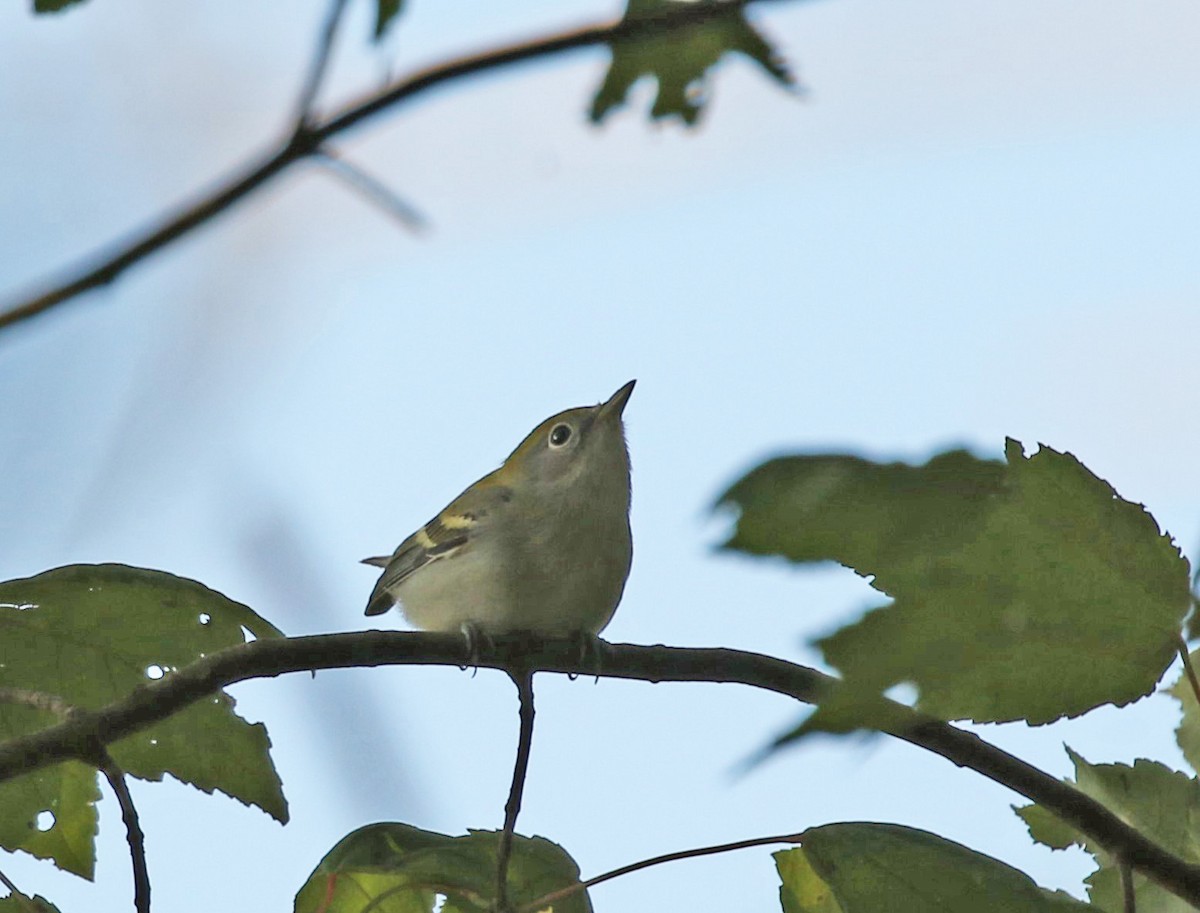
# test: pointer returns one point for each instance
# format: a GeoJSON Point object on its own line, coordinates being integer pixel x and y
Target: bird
{"type": "Point", "coordinates": [541, 545]}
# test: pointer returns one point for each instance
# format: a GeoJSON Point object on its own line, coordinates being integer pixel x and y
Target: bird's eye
{"type": "Point", "coordinates": [559, 435]}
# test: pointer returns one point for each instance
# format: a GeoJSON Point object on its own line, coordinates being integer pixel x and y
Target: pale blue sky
{"type": "Point", "coordinates": [979, 220]}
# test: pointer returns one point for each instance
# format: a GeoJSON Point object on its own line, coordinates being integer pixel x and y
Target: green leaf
{"type": "Point", "coordinates": [386, 12]}
{"type": "Point", "coordinates": [395, 868]}
{"type": "Point", "coordinates": [1187, 735]}
{"type": "Point", "coordinates": [20, 903]}
{"type": "Point", "coordinates": [1163, 804]}
{"type": "Point", "coordinates": [89, 635]}
{"type": "Point", "coordinates": [1028, 591]}
{"type": "Point", "coordinates": [886, 868]}
{"type": "Point", "coordinates": [680, 59]}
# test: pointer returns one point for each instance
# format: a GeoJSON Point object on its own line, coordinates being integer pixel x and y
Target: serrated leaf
{"type": "Point", "coordinates": [680, 60]}
{"type": "Point", "coordinates": [89, 635]}
{"type": "Point", "coordinates": [1187, 734]}
{"type": "Point", "coordinates": [1031, 591]}
{"type": "Point", "coordinates": [1163, 804]}
{"type": "Point", "coordinates": [386, 12]}
{"type": "Point", "coordinates": [886, 868]}
{"type": "Point", "coordinates": [20, 903]}
{"type": "Point", "coordinates": [51, 814]}
{"type": "Point", "coordinates": [1047, 828]}
{"type": "Point", "coordinates": [396, 868]}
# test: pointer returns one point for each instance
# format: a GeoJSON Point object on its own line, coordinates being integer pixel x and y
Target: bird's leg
{"type": "Point", "coordinates": [476, 639]}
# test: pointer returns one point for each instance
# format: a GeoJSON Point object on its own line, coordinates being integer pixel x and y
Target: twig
{"type": "Point", "coordinates": [1188, 670]}
{"type": "Point", "coordinates": [373, 190]}
{"type": "Point", "coordinates": [268, 658]}
{"type": "Point", "coordinates": [105, 266]}
{"type": "Point", "coordinates": [39, 700]}
{"type": "Point", "coordinates": [523, 679]}
{"type": "Point", "coordinates": [546, 901]}
{"type": "Point", "coordinates": [320, 63]}
{"type": "Point", "coordinates": [133, 830]}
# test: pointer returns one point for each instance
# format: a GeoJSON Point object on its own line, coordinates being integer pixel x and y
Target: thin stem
{"type": "Point", "coordinates": [1128, 900]}
{"type": "Point", "coordinates": [523, 679]}
{"type": "Point", "coordinates": [105, 266]}
{"type": "Point", "coordinates": [39, 700]}
{"type": "Point", "coordinates": [267, 658]}
{"type": "Point", "coordinates": [1188, 670]}
{"type": "Point", "coordinates": [320, 64]}
{"type": "Point", "coordinates": [546, 901]}
{"type": "Point", "coordinates": [133, 831]}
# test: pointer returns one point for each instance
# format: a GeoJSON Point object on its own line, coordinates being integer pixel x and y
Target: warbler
{"type": "Point", "coordinates": [542, 544]}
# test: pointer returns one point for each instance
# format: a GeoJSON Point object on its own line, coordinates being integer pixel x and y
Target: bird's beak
{"type": "Point", "coordinates": [616, 403]}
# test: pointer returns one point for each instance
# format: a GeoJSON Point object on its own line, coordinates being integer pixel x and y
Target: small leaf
{"type": "Point", "coordinates": [396, 868]}
{"type": "Point", "coordinates": [1163, 804]}
{"type": "Point", "coordinates": [89, 635]}
{"type": "Point", "coordinates": [1187, 735]}
{"type": "Point", "coordinates": [1030, 591]}
{"type": "Point", "coordinates": [386, 12]}
{"type": "Point", "coordinates": [680, 59]}
{"type": "Point", "coordinates": [801, 890]}
{"type": "Point", "coordinates": [886, 868]}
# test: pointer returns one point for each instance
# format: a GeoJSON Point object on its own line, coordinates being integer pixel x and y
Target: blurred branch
{"type": "Point", "coordinates": [372, 189]}
{"type": "Point", "coordinates": [306, 138]}
{"type": "Point", "coordinates": [269, 658]}
{"type": "Point", "coordinates": [320, 63]}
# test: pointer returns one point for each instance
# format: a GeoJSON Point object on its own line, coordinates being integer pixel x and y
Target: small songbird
{"type": "Point", "coordinates": [542, 544]}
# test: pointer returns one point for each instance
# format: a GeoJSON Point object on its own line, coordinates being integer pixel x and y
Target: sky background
{"type": "Point", "coordinates": [977, 220]}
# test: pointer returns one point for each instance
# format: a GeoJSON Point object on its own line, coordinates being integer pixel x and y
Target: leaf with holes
{"type": "Point", "coordinates": [394, 868]}
{"type": "Point", "coordinates": [680, 60]}
{"type": "Point", "coordinates": [1163, 804]}
{"type": "Point", "coordinates": [87, 635]}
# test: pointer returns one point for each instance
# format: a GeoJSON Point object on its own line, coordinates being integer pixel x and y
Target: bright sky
{"type": "Point", "coordinates": [979, 220]}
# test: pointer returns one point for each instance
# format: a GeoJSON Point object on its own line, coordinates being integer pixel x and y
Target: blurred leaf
{"type": "Point", "coordinates": [680, 59]}
{"type": "Point", "coordinates": [53, 6]}
{"type": "Point", "coordinates": [90, 635]}
{"type": "Point", "coordinates": [19, 903]}
{"type": "Point", "coordinates": [386, 12]}
{"type": "Point", "coordinates": [1030, 591]}
{"type": "Point", "coordinates": [1187, 735]}
{"type": "Point", "coordinates": [886, 868]}
{"type": "Point", "coordinates": [1163, 804]}
{"type": "Point", "coordinates": [395, 868]}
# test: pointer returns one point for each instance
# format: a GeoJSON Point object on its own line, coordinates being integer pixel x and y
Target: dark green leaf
{"type": "Point", "coordinates": [53, 6]}
{"type": "Point", "coordinates": [395, 868]}
{"type": "Point", "coordinates": [680, 59]}
{"type": "Point", "coordinates": [1161, 803]}
{"type": "Point", "coordinates": [88, 635]}
{"type": "Point", "coordinates": [19, 903]}
{"type": "Point", "coordinates": [386, 12]}
{"type": "Point", "coordinates": [1030, 591]}
{"type": "Point", "coordinates": [886, 868]}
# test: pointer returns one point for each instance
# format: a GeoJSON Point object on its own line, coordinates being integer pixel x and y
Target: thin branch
{"type": "Point", "coordinates": [268, 658]}
{"type": "Point", "coordinates": [523, 679]}
{"type": "Point", "coordinates": [133, 830]}
{"type": "Point", "coordinates": [547, 901]}
{"type": "Point", "coordinates": [373, 190]}
{"type": "Point", "coordinates": [105, 266]}
{"type": "Point", "coordinates": [320, 63]}
{"type": "Point", "coordinates": [38, 700]}
{"type": "Point", "coordinates": [1188, 670]}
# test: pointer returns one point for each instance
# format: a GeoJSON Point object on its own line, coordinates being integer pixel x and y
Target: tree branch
{"type": "Point", "coordinates": [306, 138]}
{"type": "Point", "coordinates": [320, 63]}
{"type": "Point", "coordinates": [268, 658]}
{"type": "Point", "coordinates": [133, 830]}
{"type": "Point", "coordinates": [523, 679]}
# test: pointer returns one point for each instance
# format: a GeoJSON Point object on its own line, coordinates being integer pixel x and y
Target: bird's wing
{"type": "Point", "coordinates": [440, 538]}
